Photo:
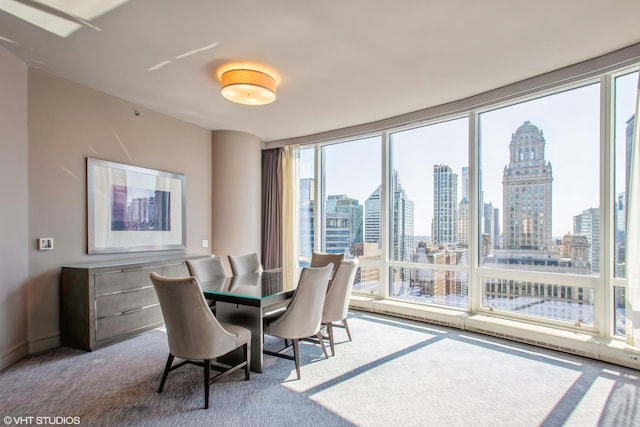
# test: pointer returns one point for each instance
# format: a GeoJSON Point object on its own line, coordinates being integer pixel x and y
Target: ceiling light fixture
{"type": "Point", "coordinates": [248, 87]}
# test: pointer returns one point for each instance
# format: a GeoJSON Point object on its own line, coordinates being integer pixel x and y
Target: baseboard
{"type": "Point", "coordinates": [13, 355]}
{"type": "Point", "coordinates": [581, 344]}
{"type": "Point", "coordinates": [44, 343]}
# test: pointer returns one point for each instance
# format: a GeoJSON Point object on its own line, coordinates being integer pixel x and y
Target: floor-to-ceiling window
{"type": "Point", "coordinates": [540, 170]}
{"type": "Point", "coordinates": [623, 120]}
{"type": "Point", "coordinates": [429, 215]}
{"type": "Point", "coordinates": [513, 209]}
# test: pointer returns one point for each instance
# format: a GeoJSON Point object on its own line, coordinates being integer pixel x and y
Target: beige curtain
{"type": "Point", "coordinates": [290, 212]}
{"type": "Point", "coordinates": [633, 236]}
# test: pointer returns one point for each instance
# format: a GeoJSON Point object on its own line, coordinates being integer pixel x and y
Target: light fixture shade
{"type": "Point", "coordinates": [248, 87]}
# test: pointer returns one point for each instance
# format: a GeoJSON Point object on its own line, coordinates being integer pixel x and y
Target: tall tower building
{"type": "Point", "coordinates": [445, 205]}
{"type": "Point", "coordinates": [402, 222]}
{"type": "Point", "coordinates": [306, 235]}
{"type": "Point", "coordinates": [526, 187]}
{"type": "Point", "coordinates": [465, 183]}
{"type": "Point", "coordinates": [588, 224]}
{"type": "Point", "coordinates": [372, 217]}
{"type": "Point", "coordinates": [353, 210]}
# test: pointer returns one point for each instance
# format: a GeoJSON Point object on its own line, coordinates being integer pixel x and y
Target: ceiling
{"type": "Point", "coordinates": [338, 63]}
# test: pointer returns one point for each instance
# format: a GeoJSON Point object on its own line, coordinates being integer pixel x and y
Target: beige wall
{"type": "Point", "coordinates": [14, 209]}
{"type": "Point", "coordinates": [67, 124]}
{"type": "Point", "coordinates": [236, 193]}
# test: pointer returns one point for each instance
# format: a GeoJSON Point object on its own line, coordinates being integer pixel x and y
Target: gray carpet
{"type": "Point", "coordinates": [394, 373]}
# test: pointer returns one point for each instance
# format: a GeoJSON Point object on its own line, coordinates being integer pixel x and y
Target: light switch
{"type": "Point", "coordinates": [205, 243]}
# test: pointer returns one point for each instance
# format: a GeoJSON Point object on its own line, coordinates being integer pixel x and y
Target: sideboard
{"type": "Point", "coordinates": [106, 302]}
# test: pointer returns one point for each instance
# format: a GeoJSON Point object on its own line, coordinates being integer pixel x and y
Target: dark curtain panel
{"type": "Point", "coordinates": [272, 208]}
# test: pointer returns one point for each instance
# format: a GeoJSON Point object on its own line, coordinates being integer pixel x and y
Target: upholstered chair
{"type": "Point", "coordinates": [208, 269]}
{"type": "Point", "coordinates": [194, 334]}
{"type": "Point", "coordinates": [320, 259]}
{"type": "Point", "coordinates": [301, 319]}
{"type": "Point", "coordinates": [244, 264]}
{"type": "Point", "coordinates": [336, 303]}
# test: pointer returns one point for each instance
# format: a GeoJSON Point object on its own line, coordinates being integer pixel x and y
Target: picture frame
{"type": "Point", "coordinates": [45, 243]}
{"type": "Point", "coordinates": [134, 209]}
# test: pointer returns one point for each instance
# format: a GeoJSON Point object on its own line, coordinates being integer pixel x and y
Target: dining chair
{"type": "Point", "coordinates": [194, 334]}
{"type": "Point", "coordinates": [301, 319]}
{"type": "Point", "coordinates": [207, 270]}
{"type": "Point", "coordinates": [336, 303]}
{"type": "Point", "coordinates": [245, 264]}
{"type": "Point", "coordinates": [320, 259]}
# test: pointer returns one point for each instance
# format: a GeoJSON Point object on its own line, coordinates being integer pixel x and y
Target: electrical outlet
{"type": "Point", "coordinates": [634, 357]}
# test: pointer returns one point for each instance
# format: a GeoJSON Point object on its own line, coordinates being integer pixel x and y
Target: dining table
{"type": "Point", "coordinates": [244, 300]}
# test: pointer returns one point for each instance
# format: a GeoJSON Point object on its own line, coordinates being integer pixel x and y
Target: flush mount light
{"type": "Point", "coordinates": [248, 87]}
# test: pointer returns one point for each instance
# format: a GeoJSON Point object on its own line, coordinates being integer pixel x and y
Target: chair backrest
{"type": "Point", "coordinates": [302, 317]}
{"type": "Point", "coordinates": [206, 269]}
{"type": "Point", "coordinates": [336, 304]}
{"type": "Point", "coordinates": [244, 264]}
{"type": "Point", "coordinates": [320, 259]}
{"type": "Point", "coordinates": [192, 330]}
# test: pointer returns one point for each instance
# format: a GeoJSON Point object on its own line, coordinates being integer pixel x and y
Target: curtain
{"type": "Point", "coordinates": [272, 208]}
{"type": "Point", "coordinates": [291, 211]}
{"type": "Point", "coordinates": [633, 236]}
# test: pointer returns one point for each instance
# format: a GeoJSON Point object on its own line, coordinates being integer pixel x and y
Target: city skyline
{"type": "Point", "coordinates": [568, 120]}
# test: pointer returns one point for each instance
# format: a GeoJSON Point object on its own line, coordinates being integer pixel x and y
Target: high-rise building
{"type": "Point", "coordinates": [488, 223]}
{"type": "Point", "coordinates": [306, 235]}
{"type": "Point", "coordinates": [588, 224]}
{"type": "Point", "coordinates": [403, 231]}
{"type": "Point", "coordinates": [465, 183]}
{"type": "Point", "coordinates": [372, 217]}
{"type": "Point", "coordinates": [354, 211]}
{"type": "Point", "coordinates": [445, 205]}
{"type": "Point", "coordinates": [402, 225]}
{"type": "Point", "coordinates": [463, 223]}
{"type": "Point", "coordinates": [527, 192]}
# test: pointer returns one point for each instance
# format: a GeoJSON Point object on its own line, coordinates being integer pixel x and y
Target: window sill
{"type": "Point", "coordinates": [581, 344]}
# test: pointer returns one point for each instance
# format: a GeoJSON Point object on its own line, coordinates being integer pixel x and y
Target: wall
{"type": "Point", "coordinates": [67, 124]}
{"type": "Point", "coordinates": [14, 210]}
{"type": "Point", "coordinates": [236, 193]}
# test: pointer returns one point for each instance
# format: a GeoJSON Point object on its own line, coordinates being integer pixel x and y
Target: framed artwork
{"type": "Point", "coordinates": [133, 209]}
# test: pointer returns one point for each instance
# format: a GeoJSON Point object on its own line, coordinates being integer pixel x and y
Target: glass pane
{"type": "Point", "coordinates": [449, 288]}
{"type": "Point", "coordinates": [619, 306]}
{"type": "Point", "coordinates": [307, 204]}
{"type": "Point", "coordinates": [540, 184]}
{"type": "Point", "coordinates": [352, 202]}
{"type": "Point", "coordinates": [568, 303]}
{"type": "Point", "coordinates": [367, 281]}
{"type": "Point", "coordinates": [430, 193]}
{"type": "Point", "coordinates": [625, 90]}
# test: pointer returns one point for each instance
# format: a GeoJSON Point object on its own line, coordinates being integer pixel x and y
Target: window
{"type": "Point", "coordinates": [352, 208]}
{"type": "Point", "coordinates": [429, 218]}
{"type": "Point", "coordinates": [551, 223]}
{"type": "Point", "coordinates": [523, 237]}
{"type": "Point", "coordinates": [306, 232]}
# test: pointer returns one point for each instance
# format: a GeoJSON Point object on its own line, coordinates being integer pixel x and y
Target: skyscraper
{"type": "Point", "coordinates": [402, 222]}
{"type": "Point", "coordinates": [445, 205]}
{"type": "Point", "coordinates": [372, 217]}
{"type": "Point", "coordinates": [588, 224]}
{"type": "Point", "coordinates": [526, 188]}
{"type": "Point", "coordinates": [306, 232]}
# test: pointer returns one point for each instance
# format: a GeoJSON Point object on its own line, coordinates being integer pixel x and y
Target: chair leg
{"type": "Point", "coordinates": [346, 327]}
{"type": "Point", "coordinates": [296, 356]}
{"type": "Point", "coordinates": [167, 368]}
{"type": "Point", "coordinates": [324, 348]}
{"type": "Point", "coordinates": [207, 373]}
{"type": "Point", "coordinates": [331, 342]}
{"type": "Point", "coordinates": [246, 353]}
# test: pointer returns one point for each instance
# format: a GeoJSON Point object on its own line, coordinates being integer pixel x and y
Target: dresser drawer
{"type": "Point", "coordinates": [123, 302]}
{"type": "Point", "coordinates": [116, 281]}
{"type": "Point", "coordinates": [112, 326]}
{"type": "Point", "coordinates": [176, 270]}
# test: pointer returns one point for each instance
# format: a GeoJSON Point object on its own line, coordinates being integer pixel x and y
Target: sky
{"type": "Point", "coordinates": [570, 122]}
